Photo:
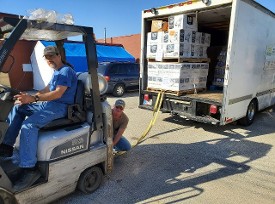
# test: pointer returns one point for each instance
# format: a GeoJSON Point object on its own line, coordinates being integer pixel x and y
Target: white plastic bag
{"type": "Point", "coordinates": [50, 16]}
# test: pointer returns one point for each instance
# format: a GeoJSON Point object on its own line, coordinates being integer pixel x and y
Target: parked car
{"type": "Point", "coordinates": [121, 76]}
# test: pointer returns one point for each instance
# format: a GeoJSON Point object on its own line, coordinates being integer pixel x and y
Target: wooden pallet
{"type": "Point", "coordinates": [182, 60]}
{"type": "Point", "coordinates": [176, 93]}
{"type": "Point", "coordinates": [195, 60]}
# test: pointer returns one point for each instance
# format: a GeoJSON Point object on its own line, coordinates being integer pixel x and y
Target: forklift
{"type": "Point", "coordinates": [73, 152]}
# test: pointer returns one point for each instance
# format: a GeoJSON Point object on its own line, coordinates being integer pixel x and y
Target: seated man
{"type": "Point", "coordinates": [120, 121]}
{"type": "Point", "coordinates": [45, 106]}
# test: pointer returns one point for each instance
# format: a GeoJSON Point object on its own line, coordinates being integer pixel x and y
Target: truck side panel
{"type": "Point", "coordinates": [247, 78]}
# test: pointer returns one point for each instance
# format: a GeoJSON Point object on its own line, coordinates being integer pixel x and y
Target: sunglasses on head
{"type": "Point", "coordinates": [119, 107]}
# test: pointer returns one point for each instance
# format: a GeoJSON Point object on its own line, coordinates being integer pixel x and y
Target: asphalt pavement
{"type": "Point", "coordinates": [188, 162]}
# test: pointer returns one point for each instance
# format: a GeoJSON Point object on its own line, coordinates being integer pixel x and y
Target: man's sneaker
{"type": "Point", "coordinates": [114, 151]}
{"type": "Point", "coordinates": [28, 178]}
{"type": "Point", "coordinates": [6, 150]}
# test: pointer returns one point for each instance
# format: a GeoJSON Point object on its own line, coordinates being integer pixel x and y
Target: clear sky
{"type": "Point", "coordinates": [119, 17]}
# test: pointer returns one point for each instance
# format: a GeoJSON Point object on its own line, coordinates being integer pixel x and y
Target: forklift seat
{"type": "Point", "coordinates": [76, 111]}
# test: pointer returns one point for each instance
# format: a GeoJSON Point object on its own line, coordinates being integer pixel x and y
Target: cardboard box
{"type": "Point", "coordinates": [154, 82]}
{"type": "Point", "coordinates": [218, 81]}
{"type": "Point", "coordinates": [152, 49]}
{"type": "Point", "coordinates": [156, 25]}
{"type": "Point", "coordinates": [152, 69]}
{"type": "Point", "coordinates": [193, 51]}
{"type": "Point", "coordinates": [176, 50]}
{"type": "Point", "coordinates": [172, 69]}
{"type": "Point", "coordinates": [177, 76]}
{"type": "Point", "coordinates": [176, 84]}
{"type": "Point", "coordinates": [185, 69]}
{"type": "Point", "coordinates": [205, 39]}
{"type": "Point", "coordinates": [199, 69]}
{"type": "Point", "coordinates": [204, 69]}
{"type": "Point", "coordinates": [184, 50]}
{"type": "Point", "coordinates": [159, 25]}
{"type": "Point", "coordinates": [196, 37]}
{"type": "Point", "coordinates": [188, 36]}
{"type": "Point", "coordinates": [165, 26]}
{"type": "Point", "coordinates": [195, 69]}
{"type": "Point", "coordinates": [154, 37]}
{"type": "Point", "coordinates": [179, 36]}
{"type": "Point", "coordinates": [201, 83]}
{"type": "Point", "coordinates": [165, 37]}
{"type": "Point", "coordinates": [183, 21]}
{"type": "Point", "coordinates": [200, 51]}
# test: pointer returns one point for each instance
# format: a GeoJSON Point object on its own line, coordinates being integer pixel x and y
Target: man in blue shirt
{"type": "Point", "coordinates": [40, 109]}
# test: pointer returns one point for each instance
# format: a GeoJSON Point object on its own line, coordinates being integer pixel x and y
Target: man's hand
{"type": "Point", "coordinates": [23, 98]}
{"type": "Point", "coordinates": [118, 135]}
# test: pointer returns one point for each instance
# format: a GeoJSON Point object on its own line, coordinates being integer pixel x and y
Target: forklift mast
{"type": "Point", "coordinates": [14, 29]}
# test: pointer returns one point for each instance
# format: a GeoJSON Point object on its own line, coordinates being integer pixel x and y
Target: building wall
{"type": "Point", "coordinates": [13, 68]}
{"type": "Point", "coordinates": [7, 15]}
{"type": "Point", "coordinates": [131, 43]}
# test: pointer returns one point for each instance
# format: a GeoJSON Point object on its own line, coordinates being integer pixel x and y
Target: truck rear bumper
{"type": "Point", "coordinates": [204, 119]}
{"type": "Point", "coordinates": [189, 106]}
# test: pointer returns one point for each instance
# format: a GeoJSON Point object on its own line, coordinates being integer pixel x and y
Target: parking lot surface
{"type": "Point", "coordinates": [187, 162]}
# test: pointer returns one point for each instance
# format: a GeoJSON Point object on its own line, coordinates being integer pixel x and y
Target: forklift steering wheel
{"type": "Point", "coordinates": [8, 89]}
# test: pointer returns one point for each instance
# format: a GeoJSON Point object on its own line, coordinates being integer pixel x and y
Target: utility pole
{"type": "Point", "coordinates": [104, 35]}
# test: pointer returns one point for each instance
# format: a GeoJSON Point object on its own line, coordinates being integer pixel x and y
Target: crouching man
{"type": "Point", "coordinates": [120, 122]}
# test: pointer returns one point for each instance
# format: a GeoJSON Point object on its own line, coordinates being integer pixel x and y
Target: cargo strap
{"type": "Point", "coordinates": [151, 124]}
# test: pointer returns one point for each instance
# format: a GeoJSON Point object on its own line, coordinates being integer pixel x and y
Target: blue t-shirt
{"type": "Point", "coordinates": [65, 76]}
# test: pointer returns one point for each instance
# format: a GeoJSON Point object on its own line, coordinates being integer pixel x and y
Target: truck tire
{"type": "Point", "coordinates": [119, 90]}
{"type": "Point", "coordinates": [90, 179]}
{"type": "Point", "coordinates": [250, 114]}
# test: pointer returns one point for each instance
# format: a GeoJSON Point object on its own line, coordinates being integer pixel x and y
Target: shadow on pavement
{"type": "Point", "coordinates": [263, 124]}
{"type": "Point", "coordinates": [165, 169]}
{"type": "Point", "coordinates": [172, 172]}
{"type": "Point", "coordinates": [169, 173]}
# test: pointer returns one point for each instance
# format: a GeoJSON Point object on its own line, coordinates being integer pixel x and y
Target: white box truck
{"type": "Point", "coordinates": [243, 38]}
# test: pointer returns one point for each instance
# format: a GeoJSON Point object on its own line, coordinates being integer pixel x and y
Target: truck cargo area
{"type": "Point", "coordinates": [195, 104]}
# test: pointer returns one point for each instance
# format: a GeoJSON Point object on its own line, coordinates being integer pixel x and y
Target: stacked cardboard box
{"type": "Point", "coordinates": [159, 25]}
{"type": "Point", "coordinates": [154, 43]}
{"type": "Point", "coordinates": [177, 76]}
{"type": "Point", "coordinates": [220, 68]}
{"type": "Point", "coordinates": [181, 40]}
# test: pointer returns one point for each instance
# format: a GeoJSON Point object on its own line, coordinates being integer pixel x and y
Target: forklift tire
{"type": "Point", "coordinates": [250, 114]}
{"type": "Point", "coordinates": [90, 179]}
